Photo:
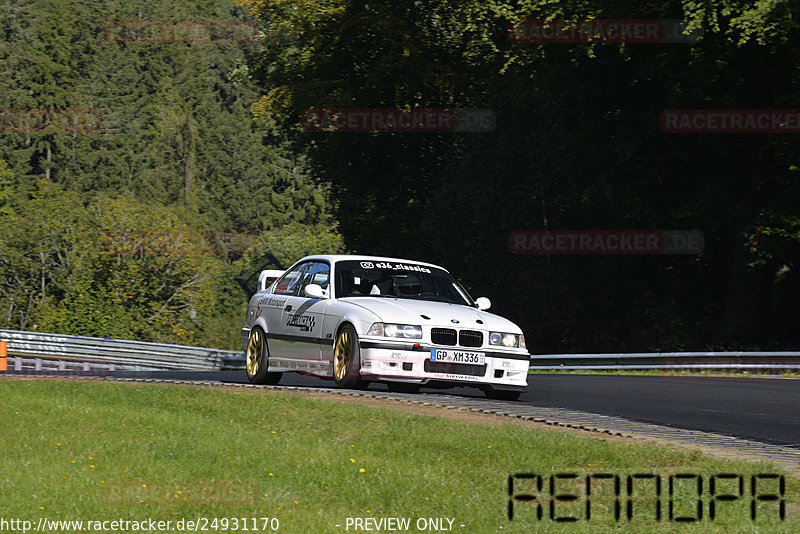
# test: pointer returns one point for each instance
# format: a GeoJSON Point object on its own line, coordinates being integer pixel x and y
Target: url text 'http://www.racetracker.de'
{"type": "Point", "coordinates": [199, 524]}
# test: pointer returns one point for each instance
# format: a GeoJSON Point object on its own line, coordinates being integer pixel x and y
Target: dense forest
{"type": "Point", "coordinates": [206, 140]}
{"type": "Point", "coordinates": [129, 226]}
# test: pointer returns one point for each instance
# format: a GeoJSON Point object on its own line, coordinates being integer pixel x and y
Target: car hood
{"type": "Point", "coordinates": [408, 311]}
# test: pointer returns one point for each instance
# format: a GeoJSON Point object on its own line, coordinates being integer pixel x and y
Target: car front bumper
{"type": "Point", "coordinates": [411, 362]}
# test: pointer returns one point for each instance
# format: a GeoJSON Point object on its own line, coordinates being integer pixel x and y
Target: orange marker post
{"type": "Point", "coordinates": [3, 356]}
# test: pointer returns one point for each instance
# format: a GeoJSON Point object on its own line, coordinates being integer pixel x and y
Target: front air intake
{"type": "Point", "coordinates": [470, 338]}
{"type": "Point", "coordinates": [444, 336]}
{"type": "Point", "coordinates": [455, 368]}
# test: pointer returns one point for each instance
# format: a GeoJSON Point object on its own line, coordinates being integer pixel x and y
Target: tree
{"type": "Point", "coordinates": [173, 152]}
{"type": "Point", "coordinates": [577, 146]}
{"type": "Point", "coordinates": [6, 188]}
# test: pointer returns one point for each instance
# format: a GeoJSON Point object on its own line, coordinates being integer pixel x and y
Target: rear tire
{"type": "Point", "coordinates": [257, 360]}
{"type": "Point", "coordinates": [347, 359]}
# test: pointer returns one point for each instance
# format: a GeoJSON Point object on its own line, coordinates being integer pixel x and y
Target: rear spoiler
{"type": "Point", "coordinates": [270, 275]}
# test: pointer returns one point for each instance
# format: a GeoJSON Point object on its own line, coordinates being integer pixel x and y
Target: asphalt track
{"type": "Point", "coordinates": [759, 409]}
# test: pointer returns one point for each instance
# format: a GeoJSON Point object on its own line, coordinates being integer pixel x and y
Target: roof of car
{"type": "Point", "coordinates": [344, 257]}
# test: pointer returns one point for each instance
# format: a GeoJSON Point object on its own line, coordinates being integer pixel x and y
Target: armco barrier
{"type": "Point", "coordinates": [738, 361]}
{"type": "Point", "coordinates": [40, 352]}
{"type": "Point", "coordinates": [54, 352]}
{"type": "Point", "coordinates": [44, 366]}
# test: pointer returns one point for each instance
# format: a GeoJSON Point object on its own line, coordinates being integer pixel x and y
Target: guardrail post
{"type": "Point", "coordinates": [3, 356]}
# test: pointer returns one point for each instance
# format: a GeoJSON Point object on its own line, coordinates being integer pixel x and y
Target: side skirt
{"type": "Point", "coordinates": [313, 367]}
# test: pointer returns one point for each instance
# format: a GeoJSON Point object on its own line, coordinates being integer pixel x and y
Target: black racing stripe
{"type": "Point", "coordinates": [301, 339]}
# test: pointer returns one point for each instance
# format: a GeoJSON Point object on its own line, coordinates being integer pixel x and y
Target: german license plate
{"type": "Point", "coordinates": [457, 356]}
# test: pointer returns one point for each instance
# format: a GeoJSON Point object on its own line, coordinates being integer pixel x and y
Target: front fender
{"type": "Point", "coordinates": [245, 332]}
{"type": "Point", "coordinates": [360, 320]}
{"type": "Point", "coordinates": [340, 313]}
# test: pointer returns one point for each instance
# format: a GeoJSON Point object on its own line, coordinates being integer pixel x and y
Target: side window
{"type": "Point", "coordinates": [317, 273]}
{"type": "Point", "coordinates": [289, 283]}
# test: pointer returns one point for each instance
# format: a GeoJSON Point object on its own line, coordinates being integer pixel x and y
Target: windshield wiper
{"type": "Point", "coordinates": [433, 298]}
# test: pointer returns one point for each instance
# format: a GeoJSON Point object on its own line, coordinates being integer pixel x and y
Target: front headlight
{"type": "Point", "coordinates": [506, 340]}
{"type": "Point", "coordinates": [405, 331]}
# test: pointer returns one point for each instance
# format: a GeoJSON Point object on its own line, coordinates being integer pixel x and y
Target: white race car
{"type": "Point", "coordinates": [359, 319]}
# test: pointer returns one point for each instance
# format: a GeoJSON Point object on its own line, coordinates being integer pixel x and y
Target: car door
{"type": "Point", "coordinates": [282, 347]}
{"type": "Point", "coordinates": [302, 316]}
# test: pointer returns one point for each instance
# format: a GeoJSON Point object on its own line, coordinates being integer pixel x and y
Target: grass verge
{"type": "Point", "coordinates": [102, 451]}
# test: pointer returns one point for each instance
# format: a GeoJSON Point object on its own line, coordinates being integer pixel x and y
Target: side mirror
{"type": "Point", "coordinates": [315, 291]}
{"type": "Point", "coordinates": [483, 303]}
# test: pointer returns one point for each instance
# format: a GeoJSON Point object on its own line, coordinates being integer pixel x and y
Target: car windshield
{"type": "Point", "coordinates": [356, 278]}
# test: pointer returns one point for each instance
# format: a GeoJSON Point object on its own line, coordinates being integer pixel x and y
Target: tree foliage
{"type": "Point", "coordinates": [174, 152]}
{"type": "Point", "coordinates": [577, 146]}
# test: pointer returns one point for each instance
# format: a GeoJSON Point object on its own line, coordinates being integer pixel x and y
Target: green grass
{"type": "Point", "coordinates": [96, 450]}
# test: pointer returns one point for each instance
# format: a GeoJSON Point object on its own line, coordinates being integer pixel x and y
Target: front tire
{"type": "Point", "coordinates": [347, 359]}
{"type": "Point", "coordinates": [257, 360]}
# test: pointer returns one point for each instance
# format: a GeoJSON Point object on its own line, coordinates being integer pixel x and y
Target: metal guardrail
{"type": "Point", "coordinates": [741, 361]}
{"type": "Point", "coordinates": [57, 352]}
{"type": "Point", "coordinates": [21, 365]}
{"type": "Point", "coordinates": [40, 352]}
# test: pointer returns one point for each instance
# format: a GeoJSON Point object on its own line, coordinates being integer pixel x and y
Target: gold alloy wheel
{"type": "Point", "coordinates": [341, 355]}
{"type": "Point", "coordinates": [255, 353]}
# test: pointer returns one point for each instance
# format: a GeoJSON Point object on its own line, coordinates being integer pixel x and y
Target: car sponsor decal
{"type": "Point", "coordinates": [463, 378]}
{"type": "Point", "coordinates": [286, 364]}
{"type": "Point", "coordinates": [394, 266]}
{"type": "Point", "coordinates": [299, 365]}
{"type": "Point", "coordinates": [303, 322]}
{"type": "Point", "coordinates": [269, 302]}
{"type": "Point", "coordinates": [515, 365]}
{"type": "Point", "coordinates": [275, 302]}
